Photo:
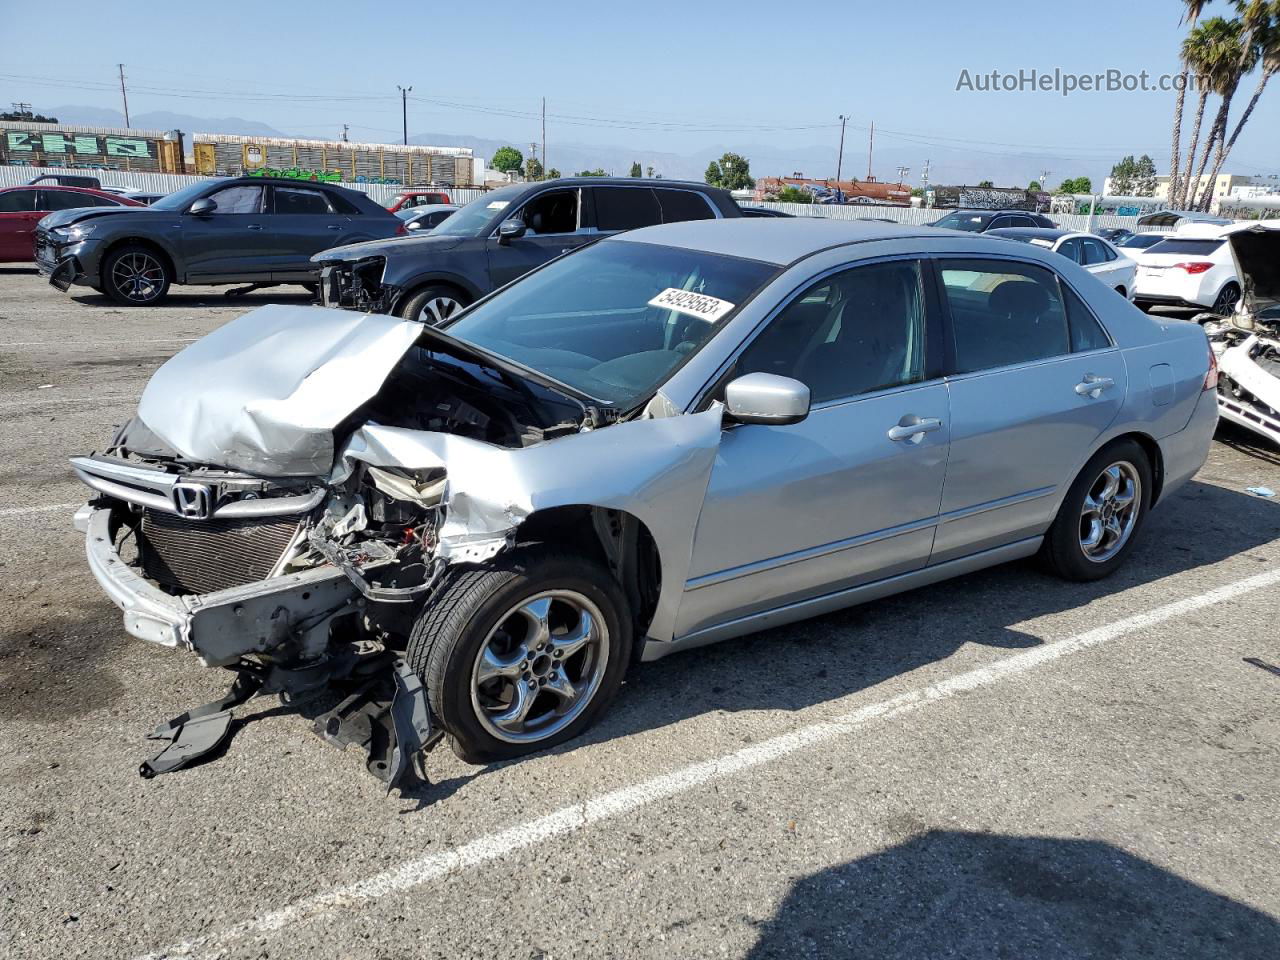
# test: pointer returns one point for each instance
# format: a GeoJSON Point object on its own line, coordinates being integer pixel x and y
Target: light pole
{"type": "Point", "coordinates": [404, 110]}
{"type": "Point", "coordinates": [840, 156]}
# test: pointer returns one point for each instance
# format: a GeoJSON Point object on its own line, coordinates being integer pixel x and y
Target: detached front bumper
{"type": "Point", "coordinates": [222, 626]}
{"type": "Point", "coordinates": [66, 264]}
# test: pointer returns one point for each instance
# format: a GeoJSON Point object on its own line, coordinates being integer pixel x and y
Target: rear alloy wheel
{"type": "Point", "coordinates": [135, 276]}
{"type": "Point", "coordinates": [433, 305]}
{"type": "Point", "coordinates": [523, 653]}
{"type": "Point", "coordinates": [1100, 516]}
{"type": "Point", "coordinates": [1228, 296]}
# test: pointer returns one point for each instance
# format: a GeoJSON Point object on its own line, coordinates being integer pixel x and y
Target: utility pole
{"type": "Point", "coordinates": [924, 182]}
{"type": "Point", "coordinates": [902, 173]}
{"type": "Point", "coordinates": [871, 145]}
{"type": "Point", "coordinates": [533, 155]}
{"type": "Point", "coordinates": [22, 109]}
{"type": "Point", "coordinates": [345, 128]}
{"type": "Point", "coordinates": [840, 155]}
{"type": "Point", "coordinates": [404, 110]}
{"type": "Point", "coordinates": [544, 138]}
{"type": "Point", "coordinates": [124, 96]}
{"type": "Point", "coordinates": [1044, 180]}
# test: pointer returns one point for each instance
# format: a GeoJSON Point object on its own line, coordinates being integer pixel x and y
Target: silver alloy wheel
{"type": "Point", "coordinates": [1110, 511]}
{"type": "Point", "coordinates": [438, 309]}
{"type": "Point", "coordinates": [540, 666]}
{"type": "Point", "coordinates": [138, 276]}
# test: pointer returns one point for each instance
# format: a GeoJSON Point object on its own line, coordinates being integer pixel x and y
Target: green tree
{"type": "Point", "coordinates": [986, 183]}
{"type": "Point", "coordinates": [636, 170]}
{"type": "Point", "coordinates": [1123, 175]}
{"type": "Point", "coordinates": [1076, 185]}
{"type": "Point", "coordinates": [1211, 50]}
{"type": "Point", "coordinates": [27, 117]}
{"type": "Point", "coordinates": [533, 169]}
{"type": "Point", "coordinates": [1144, 177]}
{"type": "Point", "coordinates": [649, 171]}
{"type": "Point", "coordinates": [597, 172]}
{"type": "Point", "coordinates": [507, 160]}
{"type": "Point", "coordinates": [1034, 186]}
{"type": "Point", "coordinates": [731, 171]}
{"type": "Point", "coordinates": [917, 191]}
{"type": "Point", "coordinates": [553, 174]}
{"type": "Point", "coordinates": [790, 194]}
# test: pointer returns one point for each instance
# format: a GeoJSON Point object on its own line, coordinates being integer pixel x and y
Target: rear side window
{"type": "Point", "coordinates": [1086, 332]}
{"type": "Point", "coordinates": [65, 200]}
{"type": "Point", "coordinates": [1003, 313]}
{"type": "Point", "coordinates": [18, 201]}
{"type": "Point", "coordinates": [678, 205]}
{"type": "Point", "coordinates": [626, 208]}
{"type": "Point", "coordinates": [342, 205]}
{"type": "Point", "coordinates": [297, 200]}
{"type": "Point", "coordinates": [1071, 250]}
{"type": "Point", "coordinates": [1095, 252]}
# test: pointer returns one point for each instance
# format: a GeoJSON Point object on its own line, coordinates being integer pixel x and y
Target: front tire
{"type": "Point", "coordinates": [136, 275]}
{"type": "Point", "coordinates": [1101, 515]}
{"type": "Point", "coordinates": [433, 305]}
{"type": "Point", "coordinates": [522, 654]}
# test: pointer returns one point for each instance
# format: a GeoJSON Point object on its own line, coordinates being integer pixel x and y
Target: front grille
{"type": "Point", "coordinates": [201, 556]}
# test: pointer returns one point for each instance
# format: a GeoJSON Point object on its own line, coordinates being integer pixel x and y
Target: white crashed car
{"type": "Point", "coordinates": [1096, 255]}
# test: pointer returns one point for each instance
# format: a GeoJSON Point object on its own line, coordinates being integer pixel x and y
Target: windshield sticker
{"type": "Point", "coordinates": [694, 304]}
{"type": "Point", "coordinates": [498, 205]}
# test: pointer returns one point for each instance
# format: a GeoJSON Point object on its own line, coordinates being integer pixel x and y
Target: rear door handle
{"type": "Point", "coordinates": [254, 226]}
{"type": "Point", "coordinates": [334, 226]}
{"type": "Point", "coordinates": [914, 430]}
{"type": "Point", "coordinates": [1092, 386]}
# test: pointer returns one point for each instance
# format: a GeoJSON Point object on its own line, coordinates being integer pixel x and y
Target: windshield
{"type": "Point", "coordinates": [479, 213]}
{"type": "Point", "coordinates": [1140, 240]}
{"type": "Point", "coordinates": [973, 222]}
{"type": "Point", "coordinates": [615, 319]}
{"type": "Point", "coordinates": [406, 212]}
{"type": "Point", "coordinates": [181, 199]}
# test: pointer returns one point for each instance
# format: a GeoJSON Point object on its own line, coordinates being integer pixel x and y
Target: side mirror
{"type": "Point", "coordinates": [203, 207]}
{"type": "Point", "coordinates": [413, 226]}
{"type": "Point", "coordinates": [766, 398]}
{"type": "Point", "coordinates": [510, 230]}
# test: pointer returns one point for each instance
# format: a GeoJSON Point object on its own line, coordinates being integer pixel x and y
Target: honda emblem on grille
{"type": "Point", "coordinates": [193, 501]}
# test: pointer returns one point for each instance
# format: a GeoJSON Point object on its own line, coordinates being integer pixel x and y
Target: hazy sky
{"type": "Point", "coordinates": [653, 75]}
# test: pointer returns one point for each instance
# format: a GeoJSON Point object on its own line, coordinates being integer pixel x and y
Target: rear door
{"type": "Point", "coordinates": [1034, 381]}
{"type": "Point", "coordinates": [303, 221]}
{"type": "Point", "coordinates": [19, 214]}
{"type": "Point", "coordinates": [554, 225]}
{"type": "Point", "coordinates": [232, 243]}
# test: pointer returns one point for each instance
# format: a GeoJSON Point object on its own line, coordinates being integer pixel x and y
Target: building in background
{"type": "Point", "coordinates": [1224, 185]}
{"type": "Point", "coordinates": [986, 198]}
{"type": "Point", "coordinates": [217, 154]}
{"type": "Point", "coordinates": [90, 148]}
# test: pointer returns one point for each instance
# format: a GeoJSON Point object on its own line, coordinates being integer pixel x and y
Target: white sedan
{"type": "Point", "coordinates": [1096, 255]}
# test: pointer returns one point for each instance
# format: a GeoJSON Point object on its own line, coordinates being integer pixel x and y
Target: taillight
{"type": "Point", "coordinates": [1194, 266]}
{"type": "Point", "coordinates": [401, 230]}
{"type": "Point", "coordinates": [1211, 378]}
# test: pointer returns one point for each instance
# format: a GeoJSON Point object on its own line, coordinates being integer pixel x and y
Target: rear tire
{"type": "Point", "coordinates": [1091, 509]}
{"type": "Point", "coordinates": [434, 304]}
{"type": "Point", "coordinates": [1226, 300]}
{"type": "Point", "coordinates": [480, 653]}
{"type": "Point", "coordinates": [136, 275]}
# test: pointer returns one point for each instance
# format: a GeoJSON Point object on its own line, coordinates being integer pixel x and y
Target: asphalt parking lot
{"type": "Point", "coordinates": [1000, 766]}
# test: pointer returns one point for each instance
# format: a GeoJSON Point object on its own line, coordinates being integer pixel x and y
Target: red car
{"type": "Point", "coordinates": [417, 198]}
{"type": "Point", "coordinates": [21, 208]}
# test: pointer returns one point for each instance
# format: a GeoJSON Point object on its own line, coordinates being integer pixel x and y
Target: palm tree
{"type": "Point", "coordinates": [1227, 58]}
{"type": "Point", "coordinates": [1199, 50]}
{"type": "Point", "coordinates": [1262, 26]}
{"type": "Point", "coordinates": [1190, 15]}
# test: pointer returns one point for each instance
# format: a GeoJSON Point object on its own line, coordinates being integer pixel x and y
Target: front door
{"type": "Point", "coordinates": [1035, 382]}
{"type": "Point", "coordinates": [553, 225]}
{"type": "Point", "coordinates": [850, 494]}
{"type": "Point", "coordinates": [233, 243]}
{"type": "Point", "coordinates": [18, 218]}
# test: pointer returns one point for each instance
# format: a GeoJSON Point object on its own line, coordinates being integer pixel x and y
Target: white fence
{"type": "Point", "coordinates": [168, 182]}
{"type": "Point", "coordinates": [921, 215]}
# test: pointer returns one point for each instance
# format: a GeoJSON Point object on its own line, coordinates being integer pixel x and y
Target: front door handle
{"type": "Point", "coordinates": [912, 429]}
{"type": "Point", "coordinates": [254, 226]}
{"type": "Point", "coordinates": [1092, 386]}
{"type": "Point", "coordinates": [334, 226]}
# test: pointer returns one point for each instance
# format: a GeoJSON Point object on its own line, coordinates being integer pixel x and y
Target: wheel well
{"type": "Point", "coordinates": [410, 292]}
{"type": "Point", "coordinates": [1122, 291]}
{"type": "Point", "coordinates": [1154, 456]}
{"type": "Point", "coordinates": [149, 244]}
{"type": "Point", "coordinates": [617, 540]}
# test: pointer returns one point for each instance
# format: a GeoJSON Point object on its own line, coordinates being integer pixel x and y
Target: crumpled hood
{"type": "Point", "coordinates": [376, 248]}
{"type": "Point", "coordinates": [264, 393]}
{"type": "Point", "coordinates": [63, 218]}
{"type": "Point", "coordinates": [1256, 251]}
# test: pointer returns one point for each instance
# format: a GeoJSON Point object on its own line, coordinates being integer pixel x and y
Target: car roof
{"type": "Point", "coordinates": [60, 188]}
{"type": "Point", "coordinates": [434, 208]}
{"type": "Point", "coordinates": [782, 241]}
{"type": "Point", "coordinates": [1035, 233]}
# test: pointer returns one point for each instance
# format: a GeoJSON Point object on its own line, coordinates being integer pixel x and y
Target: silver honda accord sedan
{"type": "Point", "coordinates": [670, 437]}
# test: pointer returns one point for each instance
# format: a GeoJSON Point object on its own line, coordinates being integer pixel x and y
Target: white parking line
{"type": "Point", "coordinates": [94, 343]}
{"type": "Point", "coordinates": [46, 508]}
{"type": "Point", "coordinates": [567, 820]}
{"type": "Point", "coordinates": [42, 401]}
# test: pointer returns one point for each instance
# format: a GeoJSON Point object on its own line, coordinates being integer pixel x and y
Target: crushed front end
{"type": "Point", "coordinates": [357, 285]}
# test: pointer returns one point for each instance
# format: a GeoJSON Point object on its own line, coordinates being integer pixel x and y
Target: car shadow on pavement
{"type": "Point", "coordinates": [1247, 442]}
{"type": "Point", "coordinates": [947, 893]}
{"type": "Point", "coordinates": [829, 657]}
{"type": "Point", "coordinates": [185, 298]}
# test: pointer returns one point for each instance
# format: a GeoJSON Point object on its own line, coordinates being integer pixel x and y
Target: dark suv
{"type": "Point", "coordinates": [243, 230]}
{"type": "Point", "coordinates": [980, 221]}
{"type": "Point", "coordinates": [501, 236]}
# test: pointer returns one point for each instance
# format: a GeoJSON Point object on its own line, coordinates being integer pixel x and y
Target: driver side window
{"type": "Point", "coordinates": [852, 333]}
{"type": "Point", "coordinates": [555, 211]}
{"type": "Point", "coordinates": [238, 199]}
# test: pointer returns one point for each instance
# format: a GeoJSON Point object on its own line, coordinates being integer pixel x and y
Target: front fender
{"type": "Point", "coordinates": [656, 469]}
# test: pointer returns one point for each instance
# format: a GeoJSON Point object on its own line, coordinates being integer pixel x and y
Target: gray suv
{"type": "Point", "coordinates": [251, 230]}
{"type": "Point", "coordinates": [501, 236]}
